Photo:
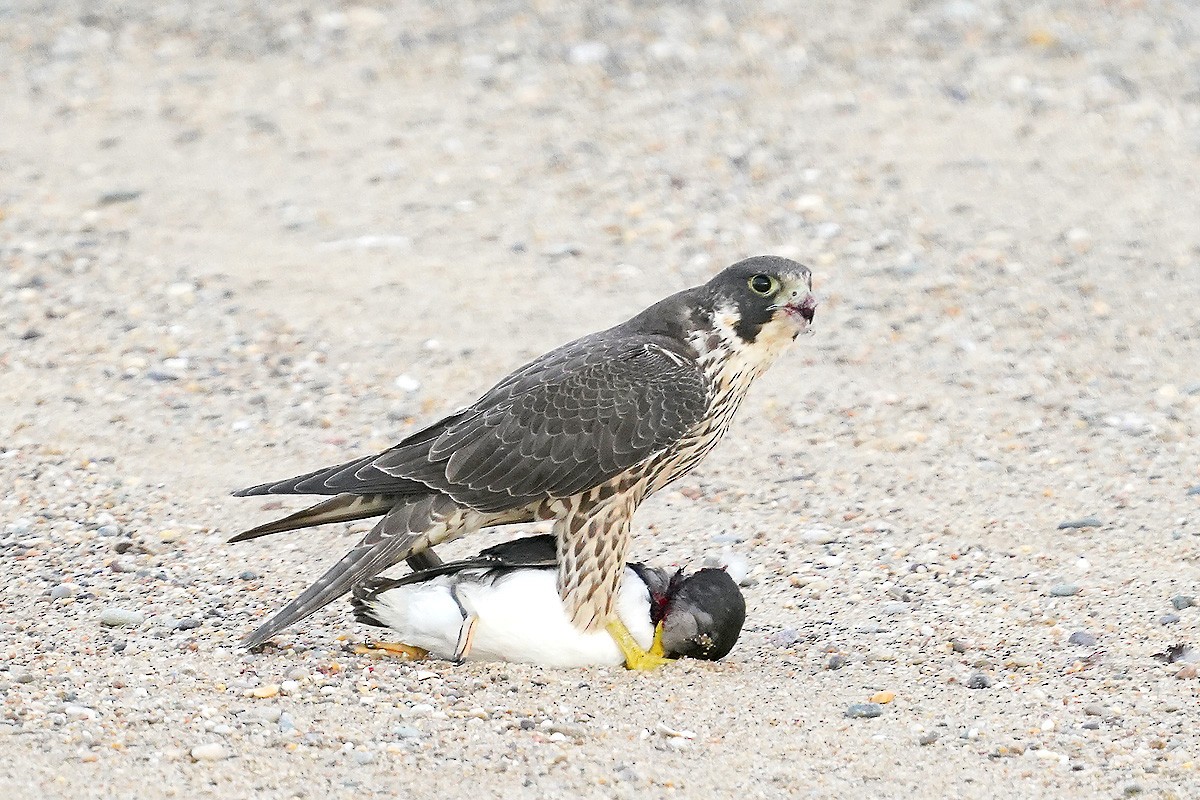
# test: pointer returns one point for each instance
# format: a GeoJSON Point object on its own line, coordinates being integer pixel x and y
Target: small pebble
{"type": "Point", "coordinates": [819, 536]}
{"type": "Point", "coordinates": [1082, 638]}
{"type": "Point", "coordinates": [286, 723]}
{"type": "Point", "coordinates": [1064, 590]}
{"type": "Point", "coordinates": [864, 711]}
{"type": "Point", "coordinates": [1087, 522]}
{"type": "Point", "coordinates": [1022, 661]}
{"type": "Point", "coordinates": [119, 196]}
{"type": "Point", "coordinates": [927, 738]}
{"type": "Point", "coordinates": [1094, 710]}
{"type": "Point", "coordinates": [1168, 619]}
{"type": "Point", "coordinates": [213, 751]}
{"type": "Point", "coordinates": [1193, 490]}
{"type": "Point", "coordinates": [407, 383]}
{"type": "Point", "coordinates": [265, 691]}
{"type": "Point", "coordinates": [978, 681]}
{"type": "Point", "coordinates": [786, 637]}
{"type": "Point", "coordinates": [362, 756]}
{"type": "Point", "coordinates": [79, 712]}
{"type": "Point", "coordinates": [62, 590]}
{"type": "Point", "coordinates": [409, 732]}
{"type": "Point", "coordinates": [113, 617]}
{"type": "Point", "coordinates": [836, 661]}
{"type": "Point", "coordinates": [187, 623]}
{"type": "Point", "coordinates": [248, 575]}
{"type": "Point", "coordinates": [1182, 601]}
{"type": "Point", "coordinates": [883, 697]}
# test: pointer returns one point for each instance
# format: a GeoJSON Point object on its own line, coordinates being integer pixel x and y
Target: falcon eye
{"type": "Point", "coordinates": [764, 285]}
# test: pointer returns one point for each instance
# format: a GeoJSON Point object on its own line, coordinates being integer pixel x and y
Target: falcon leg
{"type": "Point", "coordinates": [405, 651]}
{"type": "Point", "coordinates": [635, 656]}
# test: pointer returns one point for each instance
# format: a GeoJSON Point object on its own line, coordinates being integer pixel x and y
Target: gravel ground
{"type": "Point", "coordinates": [246, 240]}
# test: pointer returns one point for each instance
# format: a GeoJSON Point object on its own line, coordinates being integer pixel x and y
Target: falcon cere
{"type": "Point", "coordinates": [579, 436]}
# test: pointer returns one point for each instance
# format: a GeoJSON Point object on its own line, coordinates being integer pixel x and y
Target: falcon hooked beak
{"type": "Point", "coordinates": [799, 306]}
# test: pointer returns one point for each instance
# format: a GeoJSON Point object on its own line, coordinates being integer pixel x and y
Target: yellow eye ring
{"type": "Point", "coordinates": [763, 285]}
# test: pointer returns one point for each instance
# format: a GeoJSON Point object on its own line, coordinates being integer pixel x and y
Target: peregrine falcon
{"type": "Point", "coordinates": [503, 605]}
{"type": "Point", "coordinates": [580, 436]}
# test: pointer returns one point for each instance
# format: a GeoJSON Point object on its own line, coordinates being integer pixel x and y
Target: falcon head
{"type": "Point", "coordinates": [764, 297]}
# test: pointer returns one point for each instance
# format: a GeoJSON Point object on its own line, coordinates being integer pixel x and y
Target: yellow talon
{"type": "Point", "coordinates": [635, 656]}
{"type": "Point", "coordinates": [405, 651]}
{"type": "Point", "coordinates": [656, 646]}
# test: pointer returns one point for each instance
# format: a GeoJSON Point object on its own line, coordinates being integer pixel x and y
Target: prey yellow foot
{"type": "Point", "coordinates": [635, 656]}
{"type": "Point", "coordinates": [405, 651]}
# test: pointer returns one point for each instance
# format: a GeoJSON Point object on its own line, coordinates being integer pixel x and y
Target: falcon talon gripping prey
{"type": "Point", "coordinates": [581, 436]}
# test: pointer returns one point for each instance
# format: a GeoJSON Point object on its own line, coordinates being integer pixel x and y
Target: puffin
{"type": "Point", "coordinates": [504, 605]}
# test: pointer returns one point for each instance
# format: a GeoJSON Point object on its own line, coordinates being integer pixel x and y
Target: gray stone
{"type": "Point", "coordinates": [119, 196]}
{"type": "Point", "coordinates": [1086, 522]}
{"type": "Point", "coordinates": [1182, 601]}
{"type": "Point", "coordinates": [978, 681]}
{"type": "Point", "coordinates": [1082, 638]}
{"type": "Point", "coordinates": [864, 711]}
{"type": "Point", "coordinates": [1064, 590]}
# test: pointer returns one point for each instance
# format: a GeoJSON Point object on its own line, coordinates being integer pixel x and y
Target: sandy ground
{"type": "Point", "coordinates": [243, 241]}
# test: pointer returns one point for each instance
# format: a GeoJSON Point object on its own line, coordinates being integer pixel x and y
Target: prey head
{"type": "Point", "coordinates": [701, 614]}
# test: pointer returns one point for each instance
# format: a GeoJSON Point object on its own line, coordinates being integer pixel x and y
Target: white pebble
{"type": "Point", "coordinates": [819, 536]}
{"type": "Point", "coordinates": [407, 383]}
{"type": "Point", "coordinates": [114, 617]}
{"type": "Point", "coordinates": [213, 751]}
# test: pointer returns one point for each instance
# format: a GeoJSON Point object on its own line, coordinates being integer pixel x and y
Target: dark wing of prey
{"type": "Point", "coordinates": [571, 420]}
{"type": "Point", "coordinates": [530, 552]}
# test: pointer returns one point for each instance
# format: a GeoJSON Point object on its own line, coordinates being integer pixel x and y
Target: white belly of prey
{"type": "Point", "coordinates": [519, 617]}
